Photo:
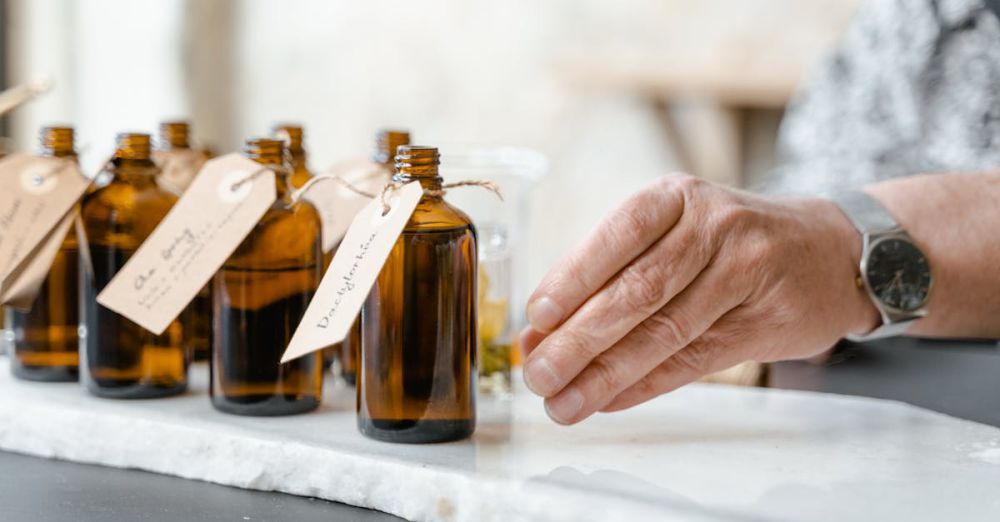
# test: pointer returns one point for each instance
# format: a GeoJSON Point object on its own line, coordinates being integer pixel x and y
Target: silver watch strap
{"type": "Point", "coordinates": [881, 332]}
{"type": "Point", "coordinates": [870, 217]}
{"type": "Point", "coordinates": [864, 211]}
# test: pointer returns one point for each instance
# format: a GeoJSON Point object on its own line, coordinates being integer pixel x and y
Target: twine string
{"type": "Point", "coordinates": [335, 174]}
{"type": "Point", "coordinates": [298, 193]}
{"type": "Point", "coordinates": [253, 175]}
{"type": "Point", "coordinates": [394, 186]}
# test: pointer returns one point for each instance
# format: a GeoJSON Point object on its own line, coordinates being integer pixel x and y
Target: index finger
{"type": "Point", "coordinates": [619, 238]}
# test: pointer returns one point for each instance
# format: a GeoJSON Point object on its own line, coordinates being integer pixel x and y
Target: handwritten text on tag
{"type": "Point", "coordinates": [211, 219]}
{"type": "Point", "coordinates": [37, 193]}
{"type": "Point", "coordinates": [352, 273]}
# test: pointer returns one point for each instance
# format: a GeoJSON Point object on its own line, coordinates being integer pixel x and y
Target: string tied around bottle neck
{"type": "Point", "coordinates": [388, 189]}
{"type": "Point", "coordinates": [393, 186]}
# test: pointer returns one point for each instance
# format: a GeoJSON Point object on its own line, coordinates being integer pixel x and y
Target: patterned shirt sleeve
{"type": "Point", "coordinates": [912, 88]}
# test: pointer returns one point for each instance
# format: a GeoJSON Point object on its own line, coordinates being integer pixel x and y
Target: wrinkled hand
{"type": "Point", "coordinates": [684, 279]}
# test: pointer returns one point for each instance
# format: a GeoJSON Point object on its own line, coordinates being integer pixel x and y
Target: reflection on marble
{"type": "Point", "coordinates": [706, 452]}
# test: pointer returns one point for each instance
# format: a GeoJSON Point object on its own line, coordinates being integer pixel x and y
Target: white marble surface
{"type": "Point", "coordinates": [706, 452]}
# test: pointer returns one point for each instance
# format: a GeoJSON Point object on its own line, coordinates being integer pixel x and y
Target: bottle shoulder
{"type": "Point", "coordinates": [124, 212]}
{"type": "Point", "coordinates": [436, 214]}
{"type": "Point", "coordinates": [285, 237]}
{"type": "Point", "coordinates": [126, 199]}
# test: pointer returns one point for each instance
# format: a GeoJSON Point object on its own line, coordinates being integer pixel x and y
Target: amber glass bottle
{"type": "Point", "coordinates": [260, 295]}
{"type": "Point", "coordinates": [386, 143]}
{"type": "Point", "coordinates": [44, 339]}
{"type": "Point", "coordinates": [417, 377]}
{"type": "Point", "coordinates": [175, 145]}
{"type": "Point", "coordinates": [175, 135]}
{"type": "Point", "coordinates": [119, 358]}
{"type": "Point", "coordinates": [295, 161]}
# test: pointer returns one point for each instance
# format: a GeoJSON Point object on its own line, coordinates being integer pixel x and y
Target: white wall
{"type": "Point", "coordinates": [469, 71]}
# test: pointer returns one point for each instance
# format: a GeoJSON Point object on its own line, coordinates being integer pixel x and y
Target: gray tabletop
{"type": "Point", "coordinates": [960, 379]}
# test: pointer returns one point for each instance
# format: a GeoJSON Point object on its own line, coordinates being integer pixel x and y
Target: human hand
{"type": "Point", "coordinates": [687, 278]}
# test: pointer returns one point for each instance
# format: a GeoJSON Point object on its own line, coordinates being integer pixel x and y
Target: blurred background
{"type": "Point", "coordinates": [612, 93]}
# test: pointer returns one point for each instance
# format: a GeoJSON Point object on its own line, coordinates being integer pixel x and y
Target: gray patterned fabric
{"type": "Point", "coordinates": [913, 87]}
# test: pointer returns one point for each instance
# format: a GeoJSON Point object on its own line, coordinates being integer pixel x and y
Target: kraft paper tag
{"type": "Point", "coordinates": [352, 273]}
{"type": "Point", "coordinates": [192, 242]}
{"type": "Point", "coordinates": [178, 168]}
{"type": "Point", "coordinates": [337, 204]}
{"type": "Point", "coordinates": [26, 281]}
{"type": "Point", "coordinates": [36, 193]}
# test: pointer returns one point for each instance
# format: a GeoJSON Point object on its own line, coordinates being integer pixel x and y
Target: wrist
{"type": "Point", "coordinates": [859, 312]}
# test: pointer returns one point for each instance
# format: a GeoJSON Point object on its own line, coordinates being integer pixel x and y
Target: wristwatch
{"type": "Point", "coordinates": [894, 271]}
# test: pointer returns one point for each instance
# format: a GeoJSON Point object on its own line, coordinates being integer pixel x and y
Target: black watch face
{"type": "Point", "coordinates": [898, 273]}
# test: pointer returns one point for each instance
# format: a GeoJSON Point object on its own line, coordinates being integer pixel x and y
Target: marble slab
{"type": "Point", "coordinates": [704, 453]}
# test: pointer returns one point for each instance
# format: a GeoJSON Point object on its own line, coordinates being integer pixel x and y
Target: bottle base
{"type": "Point", "coordinates": [133, 390]}
{"type": "Point", "coordinates": [416, 431]}
{"type": "Point", "coordinates": [44, 373]}
{"type": "Point", "coordinates": [265, 405]}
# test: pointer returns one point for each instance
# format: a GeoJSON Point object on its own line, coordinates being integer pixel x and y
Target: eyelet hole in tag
{"type": "Point", "coordinates": [40, 178]}
{"type": "Point", "coordinates": [235, 186]}
{"type": "Point", "coordinates": [390, 206]}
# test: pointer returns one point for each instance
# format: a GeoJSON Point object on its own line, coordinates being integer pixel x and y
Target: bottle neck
{"type": "Point", "coordinates": [174, 135]}
{"type": "Point", "coordinates": [136, 171]}
{"type": "Point", "coordinates": [57, 142]}
{"type": "Point", "coordinates": [297, 159]}
{"type": "Point", "coordinates": [281, 175]}
{"type": "Point", "coordinates": [428, 182]}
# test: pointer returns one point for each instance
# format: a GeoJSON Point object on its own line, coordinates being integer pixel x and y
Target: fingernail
{"type": "Point", "coordinates": [540, 378]}
{"type": "Point", "coordinates": [565, 406]}
{"type": "Point", "coordinates": [544, 314]}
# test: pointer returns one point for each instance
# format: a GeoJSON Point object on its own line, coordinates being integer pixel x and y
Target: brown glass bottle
{"type": "Point", "coordinates": [119, 358]}
{"type": "Point", "coordinates": [44, 340]}
{"type": "Point", "coordinates": [295, 161]}
{"type": "Point", "coordinates": [260, 295]}
{"type": "Point", "coordinates": [196, 319]}
{"type": "Point", "coordinates": [386, 143]}
{"type": "Point", "coordinates": [417, 377]}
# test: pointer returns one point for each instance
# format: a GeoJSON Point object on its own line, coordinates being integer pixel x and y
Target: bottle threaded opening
{"type": "Point", "coordinates": [267, 151]}
{"type": "Point", "coordinates": [175, 135]}
{"type": "Point", "coordinates": [56, 141]}
{"type": "Point", "coordinates": [133, 146]}
{"type": "Point", "coordinates": [386, 143]}
{"type": "Point", "coordinates": [290, 134]}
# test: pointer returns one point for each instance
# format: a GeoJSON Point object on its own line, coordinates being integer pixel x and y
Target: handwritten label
{"type": "Point", "coordinates": [352, 273]}
{"type": "Point", "coordinates": [202, 230]}
{"type": "Point", "coordinates": [337, 204]}
{"type": "Point", "coordinates": [38, 193]}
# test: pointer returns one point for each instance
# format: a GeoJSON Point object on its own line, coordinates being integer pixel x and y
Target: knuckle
{"type": "Point", "coordinates": [646, 386]}
{"type": "Point", "coordinates": [763, 251]}
{"type": "Point", "coordinates": [691, 360]}
{"type": "Point", "coordinates": [733, 216]}
{"type": "Point", "coordinates": [642, 286]}
{"type": "Point", "coordinates": [604, 375]}
{"type": "Point", "coordinates": [579, 344]}
{"type": "Point", "coordinates": [668, 330]}
{"type": "Point", "coordinates": [681, 180]}
{"type": "Point", "coordinates": [629, 222]}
